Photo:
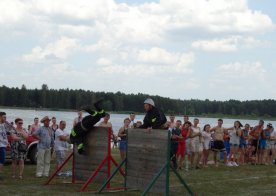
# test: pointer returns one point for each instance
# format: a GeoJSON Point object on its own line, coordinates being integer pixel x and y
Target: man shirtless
{"type": "Point", "coordinates": [218, 140]}
{"type": "Point", "coordinates": [255, 134]}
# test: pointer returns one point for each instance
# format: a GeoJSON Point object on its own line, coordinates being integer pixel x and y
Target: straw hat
{"type": "Point", "coordinates": [44, 119]}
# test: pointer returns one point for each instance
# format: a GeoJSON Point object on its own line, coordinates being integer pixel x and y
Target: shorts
{"type": "Point", "coordinates": [234, 145]}
{"type": "Point", "coordinates": [122, 145]}
{"type": "Point", "coordinates": [2, 155]}
{"type": "Point", "coordinates": [243, 145]}
{"type": "Point", "coordinates": [262, 144]}
{"type": "Point", "coordinates": [219, 146]}
{"type": "Point", "coordinates": [254, 143]}
{"type": "Point", "coordinates": [60, 156]}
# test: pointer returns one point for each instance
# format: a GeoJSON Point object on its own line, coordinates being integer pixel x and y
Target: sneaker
{"type": "Point", "coordinates": [60, 174]}
{"type": "Point", "coordinates": [98, 104]}
{"type": "Point", "coordinates": [229, 164]}
{"type": "Point", "coordinates": [235, 164]}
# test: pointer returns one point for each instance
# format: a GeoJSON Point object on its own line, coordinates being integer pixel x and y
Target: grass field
{"type": "Point", "coordinates": [244, 180]}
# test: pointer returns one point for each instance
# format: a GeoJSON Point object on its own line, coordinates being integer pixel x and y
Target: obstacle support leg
{"type": "Point", "coordinates": [59, 168]}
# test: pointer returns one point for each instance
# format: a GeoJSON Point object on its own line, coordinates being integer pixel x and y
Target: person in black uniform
{"type": "Point", "coordinates": [155, 118]}
{"type": "Point", "coordinates": [80, 130]}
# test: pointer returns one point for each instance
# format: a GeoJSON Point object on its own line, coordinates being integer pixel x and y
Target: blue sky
{"type": "Point", "coordinates": [201, 49]}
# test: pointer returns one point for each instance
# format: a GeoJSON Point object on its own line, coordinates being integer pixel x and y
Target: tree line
{"type": "Point", "coordinates": [118, 102]}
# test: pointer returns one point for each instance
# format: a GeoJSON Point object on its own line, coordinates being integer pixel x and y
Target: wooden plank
{"type": "Point", "coordinates": [147, 154]}
{"type": "Point", "coordinates": [95, 145]}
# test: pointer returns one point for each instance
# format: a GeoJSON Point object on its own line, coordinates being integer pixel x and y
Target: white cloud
{"type": "Point", "coordinates": [238, 69]}
{"type": "Point", "coordinates": [150, 62]}
{"type": "Point", "coordinates": [62, 48]}
{"type": "Point", "coordinates": [142, 40]}
{"type": "Point", "coordinates": [12, 11]}
{"type": "Point", "coordinates": [216, 15]}
{"type": "Point", "coordinates": [237, 80]}
{"type": "Point", "coordinates": [229, 44]}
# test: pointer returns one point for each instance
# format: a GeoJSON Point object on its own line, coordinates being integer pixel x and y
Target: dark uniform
{"type": "Point", "coordinates": [80, 130]}
{"type": "Point", "coordinates": [155, 119]}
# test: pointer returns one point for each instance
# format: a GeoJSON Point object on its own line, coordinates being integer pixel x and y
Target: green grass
{"type": "Point", "coordinates": [243, 180]}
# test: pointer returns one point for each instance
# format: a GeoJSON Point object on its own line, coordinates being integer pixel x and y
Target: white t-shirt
{"type": "Point", "coordinates": [207, 138]}
{"type": "Point", "coordinates": [59, 144]}
{"type": "Point", "coordinates": [234, 138]}
{"type": "Point", "coordinates": [196, 130]}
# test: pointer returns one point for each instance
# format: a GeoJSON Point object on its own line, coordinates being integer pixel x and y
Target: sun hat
{"type": "Point", "coordinates": [149, 101]}
{"type": "Point", "coordinates": [44, 119]}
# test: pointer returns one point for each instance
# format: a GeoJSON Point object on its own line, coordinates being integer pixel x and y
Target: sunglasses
{"type": "Point", "coordinates": [20, 123]}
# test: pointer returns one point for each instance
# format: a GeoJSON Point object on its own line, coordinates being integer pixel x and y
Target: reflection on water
{"type": "Point", "coordinates": [115, 119]}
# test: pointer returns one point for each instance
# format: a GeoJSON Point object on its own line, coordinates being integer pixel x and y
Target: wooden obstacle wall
{"type": "Point", "coordinates": [146, 155]}
{"type": "Point", "coordinates": [96, 144]}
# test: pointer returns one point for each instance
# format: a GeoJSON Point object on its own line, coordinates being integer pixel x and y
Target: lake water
{"type": "Point", "coordinates": [115, 119]}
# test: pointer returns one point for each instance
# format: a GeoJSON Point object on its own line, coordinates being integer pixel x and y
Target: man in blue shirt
{"type": "Point", "coordinates": [46, 141]}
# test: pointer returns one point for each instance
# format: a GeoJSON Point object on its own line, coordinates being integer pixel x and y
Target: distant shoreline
{"type": "Point", "coordinates": [223, 116]}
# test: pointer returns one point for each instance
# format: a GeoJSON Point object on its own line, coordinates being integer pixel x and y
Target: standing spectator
{"type": "Point", "coordinates": [273, 144]}
{"type": "Point", "coordinates": [78, 118]}
{"type": "Point", "coordinates": [188, 144]}
{"type": "Point", "coordinates": [61, 145]}
{"type": "Point", "coordinates": [54, 125]}
{"type": "Point", "coordinates": [46, 142]}
{"type": "Point", "coordinates": [234, 133]}
{"type": "Point", "coordinates": [175, 133]}
{"type": "Point", "coordinates": [19, 135]}
{"type": "Point", "coordinates": [182, 144]}
{"type": "Point", "coordinates": [172, 121]}
{"type": "Point", "coordinates": [226, 142]}
{"type": "Point", "coordinates": [206, 135]}
{"type": "Point", "coordinates": [244, 136]}
{"type": "Point", "coordinates": [4, 130]}
{"type": "Point", "coordinates": [132, 120]}
{"type": "Point", "coordinates": [255, 133]}
{"type": "Point", "coordinates": [196, 144]}
{"type": "Point", "coordinates": [123, 135]}
{"type": "Point", "coordinates": [264, 144]}
{"type": "Point", "coordinates": [186, 118]}
{"type": "Point", "coordinates": [155, 118]}
{"type": "Point", "coordinates": [218, 140]}
{"type": "Point", "coordinates": [35, 126]}
{"type": "Point", "coordinates": [137, 124]}
{"type": "Point", "coordinates": [105, 122]}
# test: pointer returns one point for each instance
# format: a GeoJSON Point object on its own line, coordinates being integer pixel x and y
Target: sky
{"type": "Point", "coordinates": [181, 49]}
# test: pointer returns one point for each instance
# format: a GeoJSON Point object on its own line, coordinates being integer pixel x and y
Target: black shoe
{"type": "Point", "coordinates": [99, 104]}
